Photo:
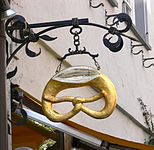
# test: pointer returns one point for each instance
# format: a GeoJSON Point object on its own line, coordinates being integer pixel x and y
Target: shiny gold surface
{"type": "Point", "coordinates": [74, 77]}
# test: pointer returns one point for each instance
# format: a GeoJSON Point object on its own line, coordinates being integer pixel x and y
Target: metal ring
{"type": "Point", "coordinates": [114, 47]}
{"type": "Point", "coordinates": [76, 32]}
{"type": "Point", "coordinates": [23, 121]}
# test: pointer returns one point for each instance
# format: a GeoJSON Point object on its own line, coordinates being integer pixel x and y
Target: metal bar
{"type": "Point", "coordinates": [145, 59]}
{"type": "Point", "coordinates": [129, 37]}
{"type": "Point", "coordinates": [113, 3]}
{"type": "Point", "coordinates": [3, 112]}
{"type": "Point", "coordinates": [107, 28]}
{"type": "Point", "coordinates": [97, 25]}
{"type": "Point", "coordinates": [57, 23]}
{"type": "Point", "coordinates": [60, 26]}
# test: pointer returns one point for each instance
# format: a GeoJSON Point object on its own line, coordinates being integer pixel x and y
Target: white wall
{"type": "Point", "coordinates": [125, 70]}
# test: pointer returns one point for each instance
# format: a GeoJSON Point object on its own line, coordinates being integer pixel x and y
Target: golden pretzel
{"type": "Point", "coordinates": [74, 77]}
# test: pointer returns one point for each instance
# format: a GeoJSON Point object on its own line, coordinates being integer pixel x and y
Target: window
{"type": "Point", "coordinates": [137, 10]}
{"type": "Point", "coordinates": [113, 3]}
{"type": "Point", "coordinates": [141, 18]}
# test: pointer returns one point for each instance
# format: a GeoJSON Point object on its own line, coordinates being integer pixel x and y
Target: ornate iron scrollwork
{"type": "Point", "coordinates": [119, 18]}
{"type": "Point", "coordinates": [146, 59]}
{"type": "Point", "coordinates": [90, 4]}
{"type": "Point", "coordinates": [143, 58]}
{"type": "Point", "coordinates": [116, 19]}
{"type": "Point", "coordinates": [13, 72]}
{"type": "Point", "coordinates": [27, 35]}
{"type": "Point", "coordinates": [114, 47]}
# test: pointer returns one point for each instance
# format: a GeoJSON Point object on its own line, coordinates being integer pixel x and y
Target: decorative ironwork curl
{"type": "Point", "coordinates": [90, 4]}
{"type": "Point", "coordinates": [146, 59]}
{"type": "Point", "coordinates": [26, 35]}
{"type": "Point", "coordinates": [11, 73]}
{"type": "Point", "coordinates": [31, 53]}
{"type": "Point", "coordinates": [78, 52]}
{"type": "Point", "coordinates": [143, 58]}
{"type": "Point", "coordinates": [19, 24]}
{"type": "Point", "coordinates": [119, 18]}
{"type": "Point", "coordinates": [114, 47]}
{"type": "Point", "coordinates": [132, 49]}
{"type": "Point", "coordinates": [23, 121]}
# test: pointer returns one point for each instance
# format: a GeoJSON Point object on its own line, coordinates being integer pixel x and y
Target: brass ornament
{"type": "Point", "coordinates": [73, 77]}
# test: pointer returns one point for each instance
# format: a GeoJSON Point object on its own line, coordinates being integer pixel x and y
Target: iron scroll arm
{"type": "Point", "coordinates": [27, 35]}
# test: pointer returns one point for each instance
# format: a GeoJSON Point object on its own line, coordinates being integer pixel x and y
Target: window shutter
{"type": "Point", "coordinates": [141, 17]}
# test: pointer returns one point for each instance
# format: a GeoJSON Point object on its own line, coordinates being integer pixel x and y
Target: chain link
{"type": "Point", "coordinates": [96, 64]}
{"type": "Point", "coordinates": [76, 40]}
{"type": "Point", "coordinates": [59, 67]}
{"type": "Point", "coordinates": [75, 31]}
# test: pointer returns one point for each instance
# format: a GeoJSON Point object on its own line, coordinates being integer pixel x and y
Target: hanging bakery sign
{"type": "Point", "coordinates": [73, 77]}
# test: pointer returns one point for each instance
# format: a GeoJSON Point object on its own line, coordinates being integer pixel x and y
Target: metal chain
{"type": "Point", "coordinates": [96, 64]}
{"type": "Point", "coordinates": [59, 67]}
{"type": "Point", "coordinates": [76, 40]}
{"type": "Point", "coordinates": [76, 31]}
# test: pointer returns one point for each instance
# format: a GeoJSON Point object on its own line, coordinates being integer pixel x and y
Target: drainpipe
{"type": "Point", "coordinates": [3, 112]}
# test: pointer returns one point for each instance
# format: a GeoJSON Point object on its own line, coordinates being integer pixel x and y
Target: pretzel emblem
{"type": "Point", "coordinates": [74, 77]}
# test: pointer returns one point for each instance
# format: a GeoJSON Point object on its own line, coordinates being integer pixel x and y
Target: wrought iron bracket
{"type": "Point", "coordinates": [18, 23]}
{"type": "Point", "coordinates": [146, 59]}
{"type": "Point", "coordinates": [134, 46]}
{"type": "Point", "coordinates": [96, 6]}
{"type": "Point", "coordinates": [143, 58]}
{"type": "Point", "coordinates": [77, 52]}
{"type": "Point", "coordinates": [117, 19]}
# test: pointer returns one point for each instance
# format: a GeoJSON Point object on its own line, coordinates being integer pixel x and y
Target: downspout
{"type": "Point", "coordinates": [3, 111]}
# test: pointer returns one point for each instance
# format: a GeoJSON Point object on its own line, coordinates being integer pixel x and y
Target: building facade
{"type": "Point", "coordinates": [130, 69]}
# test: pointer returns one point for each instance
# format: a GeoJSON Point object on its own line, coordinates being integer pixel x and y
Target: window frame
{"type": "Point", "coordinates": [113, 3]}
{"type": "Point", "coordinates": [127, 5]}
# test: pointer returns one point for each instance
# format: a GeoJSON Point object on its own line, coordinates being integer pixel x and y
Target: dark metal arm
{"type": "Point", "coordinates": [27, 35]}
